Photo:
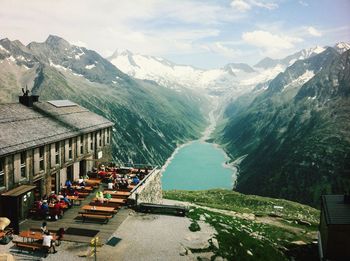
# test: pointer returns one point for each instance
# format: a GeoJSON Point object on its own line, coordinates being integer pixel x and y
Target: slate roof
{"type": "Point", "coordinates": [336, 211]}
{"type": "Point", "coordinates": [23, 128]}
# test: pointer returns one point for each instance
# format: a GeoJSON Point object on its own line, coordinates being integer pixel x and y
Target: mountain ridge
{"type": "Point", "coordinates": [293, 148]}
{"type": "Point", "coordinates": [58, 70]}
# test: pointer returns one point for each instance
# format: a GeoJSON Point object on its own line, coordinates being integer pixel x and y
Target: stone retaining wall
{"type": "Point", "coordinates": [149, 190]}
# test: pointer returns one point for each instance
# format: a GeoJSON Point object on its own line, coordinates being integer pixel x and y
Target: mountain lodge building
{"type": "Point", "coordinates": [42, 144]}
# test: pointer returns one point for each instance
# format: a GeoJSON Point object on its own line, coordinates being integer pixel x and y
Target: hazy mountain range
{"type": "Point", "coordinates": [287, 119]}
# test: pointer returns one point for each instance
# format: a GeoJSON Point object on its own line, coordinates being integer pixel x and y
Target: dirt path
{"type": "Point", "coordinates": [275, 221]}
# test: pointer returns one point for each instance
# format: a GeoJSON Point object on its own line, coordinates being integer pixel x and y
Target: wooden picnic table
{"type": "Point", "coordinates": [112, 200]}
{"type": "Point", "coordinates": [93, 181]}
{"type": "Point", "coordinates": [88, 208]}
{"type": "Point", "coordinates": [72, 197]}
{"type": "Point", "coordinates": [34, 235]}
{"type": "Point", "coordinates": [61, 206]}
{"type": "Point", "coordinates": [75, 198]}
{"type": "Point", "coordinates": [117, 193]}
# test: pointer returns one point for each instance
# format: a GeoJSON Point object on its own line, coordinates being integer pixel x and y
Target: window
{"type": "Point", "coordinates": [57, 153]}
{"type": "Point", "coordinates": [108, 135]}
{"type": "Point", "coordinates": [23, 164]}
{"type": "Point", "coordinates": [2, 172]}
{"type": "Point", "coordinates": [81, 144]}
{"type": "Point", "coordinates": [41, 158]}
{"type": "Point", "coordinates": [100, 138]}
{"type": "Point", "coordinates": [91, 141]}
{"type": "Point", "coordinates": [70, 153]}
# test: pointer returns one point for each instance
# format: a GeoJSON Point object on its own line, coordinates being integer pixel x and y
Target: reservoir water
{"type": "Point", "coordinates": [196, 166]}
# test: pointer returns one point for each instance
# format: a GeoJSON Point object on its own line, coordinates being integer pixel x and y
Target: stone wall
{"type": "Point", "coordinates": [150, 189]}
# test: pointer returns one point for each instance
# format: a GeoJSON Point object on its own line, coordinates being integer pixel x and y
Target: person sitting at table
{"type": "Point", "coordinates": [124, 183]}
{"type": "Point", "coordinates": [45, 208]}
{"type": "Point", "coordinates": [81, 182]}
{"type": "Point", "coordinates": [72, 192]}
{"type": "Point", "coordinates": [102, 174]}
{"type": "Point", "coordinates": [52, 196]}
{"type": "Point", "coordinates": [38, 204]}
{"type": "Point", "coordinates": [43, 227]}
{"type": "Point", "coordinates": [99, 196]}
{"type": "Point", "coordinates": [59, 196]}
{"type": "Point", "coordinates": [135, 180]}
{"type": "Point", "coordinates": [68, 183]}
{"type": "Point", "coordinates": [110, 185]}
{"type": "Point", "coordinates": [48, 243]}
{"type": "Point", "coordinates": [108, 196]}
{"type": "Point", "coordinates": [67, 201]}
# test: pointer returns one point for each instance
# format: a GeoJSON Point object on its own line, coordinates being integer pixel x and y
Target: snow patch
{"type": "Point", "coordinates": [77, 56]}
{"type": "Point", "coordinates": [57, 66]}
{"type": "Point", "coordinates": [3, 49]}
{"type": "Point", "coordinates": [77, 74]}
{"type": "Point", "coordinates": [264, 75]}
{"type": "Point", "coordinates": [90, 66]}
{"type": "Point", "coordinates": [300, 80]}
{"type": "Point", "coordinates": [311, 98]}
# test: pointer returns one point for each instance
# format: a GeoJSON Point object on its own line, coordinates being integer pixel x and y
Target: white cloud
{"type": "Point", "coordinates": [223, 50]}
{"type": "Point", "coordinates": [313, 31]}
{"type": "Point", "coordinates": [245, 5]}
{"type": "Point", "coordinates": [265, 4]}
{"type": "Point", "coordinates": [266, 39]}
{"type": "Point", "coordinates": [303, 3]}
{"type": "Point", "coordinates": [240, 5]}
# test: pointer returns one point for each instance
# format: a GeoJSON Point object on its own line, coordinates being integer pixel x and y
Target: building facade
{"type": "Point", "coordinates": [42, 144]}
{"type": "Point", "coordinates": [334, 228]}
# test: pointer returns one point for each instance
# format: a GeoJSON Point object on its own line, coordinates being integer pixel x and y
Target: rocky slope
{"type": "Point", "coordinates": [250, 227]}
{"type": "Point", "coordinates": [150, 120]}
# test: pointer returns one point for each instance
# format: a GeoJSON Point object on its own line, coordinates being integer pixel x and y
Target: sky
{"type": "Point", "coordinates": [204, 34]}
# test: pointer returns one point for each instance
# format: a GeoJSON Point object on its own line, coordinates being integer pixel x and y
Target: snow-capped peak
{"type": "Point", "coordinates": [121, 52]}
{"type": "Point", "coordinates": [342, 47]}
{"type": "Point", "coordinates": [307, 53]}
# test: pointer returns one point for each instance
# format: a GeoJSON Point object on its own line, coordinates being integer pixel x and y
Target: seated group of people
{"type": "Point", "coordinates": [103, 197]}
{"type": "Point", "coordinates": [120, 181]}
{"type": "Point", "coordinates": [52, 206]}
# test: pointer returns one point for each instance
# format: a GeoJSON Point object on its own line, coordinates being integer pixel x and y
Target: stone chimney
{"type": "Point", "coordinates": [27, 99]}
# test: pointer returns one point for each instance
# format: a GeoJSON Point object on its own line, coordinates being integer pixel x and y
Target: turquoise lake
{"type": "Point", "coordinates": [196, 166]}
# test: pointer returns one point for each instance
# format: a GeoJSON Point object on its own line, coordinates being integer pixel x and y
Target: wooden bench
{"type": "Point", "coordinates": [95, 216]}
{"type": "Point", "coordinates": [27, 245]}
{"type": "Point", "coordinates": [116, 206]}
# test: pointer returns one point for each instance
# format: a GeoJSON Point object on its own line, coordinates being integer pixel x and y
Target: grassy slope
{"type": "Point", "coordinates": [265, 238]}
